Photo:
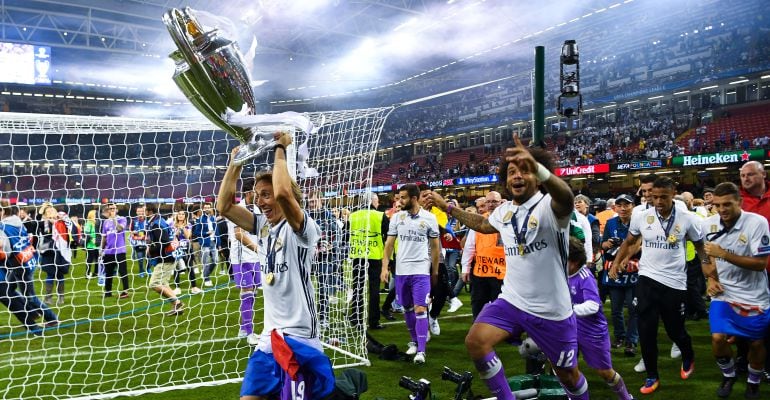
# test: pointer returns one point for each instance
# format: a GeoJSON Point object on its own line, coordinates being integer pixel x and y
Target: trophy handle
{"type": "Point", "coordinates": [254, 148]}
{"type": "Point", "coordinates": [175, 23]}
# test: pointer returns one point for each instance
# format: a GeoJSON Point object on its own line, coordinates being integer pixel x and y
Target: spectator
{"type": "Point", "coordinates": [92, 236]}
{"type": "Point", "coordinates": [182, 258]}
{"type": "Point", "coordinates": [53, 240]}
{"type": "Point", "coordinates": [327, 268]}
{"type": "Point", "coordinates": [137, 233]}
{"type": "Point", "coordinates": [114, 250]}
{"type": "Point", "coordinates": [205, 229]}
{"type": "Point", "coordinates": [161, 246]}
{"type": "Point", "coordinates": [18, 259]}
{"type": "Point", "coordinates": [622, 288]}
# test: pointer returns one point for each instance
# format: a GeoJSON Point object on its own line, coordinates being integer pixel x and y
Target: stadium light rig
{"type": "Point", "coordinates": [569, 82]}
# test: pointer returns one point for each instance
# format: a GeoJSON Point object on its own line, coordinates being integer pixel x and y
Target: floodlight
{"type": "Point", "coordinates": [569, 82]}
{"type": "Point", "coordinates": [569, 53]}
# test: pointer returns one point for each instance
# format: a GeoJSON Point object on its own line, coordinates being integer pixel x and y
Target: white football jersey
{"type": "Point", "coordinates": [289, 294]}
{"type": "Point", "coordinates": [413, 233]}
{"type": "Point", "coordinates": [749, 237]}
{"type": "Point", "coordinates": [663, 255]}
{"type": "Point", "coordinates": [535, 279]}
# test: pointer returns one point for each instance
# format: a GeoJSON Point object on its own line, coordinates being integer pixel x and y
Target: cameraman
{"type": "Point", "coordinates": [621, 290]}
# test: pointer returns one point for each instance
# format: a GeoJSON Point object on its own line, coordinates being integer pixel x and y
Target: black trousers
{"type": "Point", "coordinates": [92, 261]}
{"type": "Point", "coordinates": [361, 268]}
{"type": "Point", "coordinates": [111, 263]}
{"type": "Point", "coordinates": [483, 290]}
{"type": "Point", "coordinates": [440, 292]}
{"type": "Point", "coordinates": [656, 301]}
{"type": "Point", "coordinates": [696, 287]}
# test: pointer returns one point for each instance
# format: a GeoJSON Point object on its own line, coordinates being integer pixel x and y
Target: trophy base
{"type": "Point", "coordinates": [253, 149]}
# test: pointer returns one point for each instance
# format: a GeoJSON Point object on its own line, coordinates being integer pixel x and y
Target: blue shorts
{"type": "Point", "coordinates": [723, 319]}
{"type": "Point", "coordinates": [264, 377]}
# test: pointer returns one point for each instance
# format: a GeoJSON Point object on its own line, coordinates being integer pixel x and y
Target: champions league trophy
{"type": "Point", "coordinates": [212, 74]}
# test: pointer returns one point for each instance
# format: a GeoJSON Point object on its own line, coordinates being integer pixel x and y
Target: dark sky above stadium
{"type": "Point", "coordinates": [316, 48]}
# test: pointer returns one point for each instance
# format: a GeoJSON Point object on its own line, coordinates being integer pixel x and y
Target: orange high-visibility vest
{"type": "Point", "coordinates": [490, 256]}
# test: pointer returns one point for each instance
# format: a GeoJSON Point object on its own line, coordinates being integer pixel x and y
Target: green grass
{"type": "Point", "coordinates": [108, 345]}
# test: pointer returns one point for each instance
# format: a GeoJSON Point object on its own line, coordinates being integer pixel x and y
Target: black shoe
{"type": "Point", "coordinates": [618, 344]}
{"type": "Point", "coordinates": [726, 387]}
{"type": "Point", "coordinates": [376, 327]}
{"type": "Point", "coordinates": [630, 350]}
{"type": "Point", "coordinates": [752, 391]}
{"type": "Point", "coordinates": [387, 315]}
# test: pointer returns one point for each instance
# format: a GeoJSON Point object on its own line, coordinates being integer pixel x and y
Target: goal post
{"type": "Point", "coordinates": [107, 347]}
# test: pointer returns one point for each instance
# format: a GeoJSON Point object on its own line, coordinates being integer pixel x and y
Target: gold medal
{"type": "Point", "coordinates": [270, 278]}
{"type": "Point", "coordinates": [521, 249]}
{"type": "Point", "coordinates": [672, 238]}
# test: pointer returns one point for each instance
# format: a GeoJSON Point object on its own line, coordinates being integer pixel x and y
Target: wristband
{"type": "Point", "coordinates": [449, 209]}
{"type": "Point", "coordinates": [280, 146]}
{"type": "Point", "coordinates": [542, 173]}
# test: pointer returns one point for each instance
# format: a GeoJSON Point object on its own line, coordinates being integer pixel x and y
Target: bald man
{"type": "Point", "coordinates": [754, 190]}
{"type": "Point", "coordinates": [756, 198]}
{"type": "Point", "coordinates": [483, 260]}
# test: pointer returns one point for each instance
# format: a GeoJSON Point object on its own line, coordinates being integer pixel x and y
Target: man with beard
{"type": "Point", "coordinates": [417, 264]}
{"type": "Point", "coordinates": [535, 298]}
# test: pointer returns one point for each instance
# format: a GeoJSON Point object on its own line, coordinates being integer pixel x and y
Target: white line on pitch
{"type": "Point", "coordinates": [113, 350]}
{"type": "Point", "coordinates": [442, 317]}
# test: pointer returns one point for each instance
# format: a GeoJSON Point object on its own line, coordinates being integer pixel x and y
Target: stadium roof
{"type": "Point", "coordinates": [313, 48]}
{"type": "Point", "coordinates": [302, 43]}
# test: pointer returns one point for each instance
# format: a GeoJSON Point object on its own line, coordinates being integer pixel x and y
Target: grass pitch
{"type": "Point", "coordinates": [111, 345]}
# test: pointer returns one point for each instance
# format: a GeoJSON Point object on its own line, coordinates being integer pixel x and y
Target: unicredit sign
{"type": "Point", "coordinates": [583, 170]}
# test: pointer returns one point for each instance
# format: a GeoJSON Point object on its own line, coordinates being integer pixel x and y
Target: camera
{"type": "Point", "coordinates": [463, 381]}
{"type": "Point", "coordinates": [452, 376]}
{"type": "Point", "coordinates": [420, 389]}
{"type": "Point", "coordinates": [612, 251]}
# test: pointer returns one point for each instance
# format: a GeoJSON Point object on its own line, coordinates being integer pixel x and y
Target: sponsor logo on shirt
{"type": "Point", "coordinates": [530, 248]}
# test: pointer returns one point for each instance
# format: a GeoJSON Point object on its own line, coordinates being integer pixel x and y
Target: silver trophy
{"type": "Point", "coordinates": [211, 73]}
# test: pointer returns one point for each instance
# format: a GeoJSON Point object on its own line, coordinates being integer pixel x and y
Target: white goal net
{"type": "Point", "coordinates": [109, 346]}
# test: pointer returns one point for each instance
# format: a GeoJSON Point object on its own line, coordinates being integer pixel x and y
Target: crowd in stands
{"type": "Point", "coordinates": [714, 43]}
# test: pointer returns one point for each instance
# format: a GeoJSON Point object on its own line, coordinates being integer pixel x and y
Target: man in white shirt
{"type": "Point", "coordinates": [417, 263]}
{"type": "Point", "coordinates": [739, 245]}
{"type": "Point", "coordinates": [535, 297]}
{"type": "Point", "coordinates": [290, 315]}
{"type": "Point", "coordinates": [661, 291]}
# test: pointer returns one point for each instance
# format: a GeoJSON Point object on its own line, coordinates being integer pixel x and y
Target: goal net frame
{"type": "Point", "coordinates": [64, 361]}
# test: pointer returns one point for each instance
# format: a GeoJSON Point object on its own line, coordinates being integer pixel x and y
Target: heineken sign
{"type": "Point", "coordinates": [726, 157]}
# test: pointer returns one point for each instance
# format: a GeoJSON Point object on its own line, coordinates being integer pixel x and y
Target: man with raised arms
{"type": "Point", "coordinates": [535, 297]}
{"type": "Point", "coordinates": [290, 315]}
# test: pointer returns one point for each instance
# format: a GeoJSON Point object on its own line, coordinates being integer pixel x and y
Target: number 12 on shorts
{"type": "Point", "coordinates": [565, 359]}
